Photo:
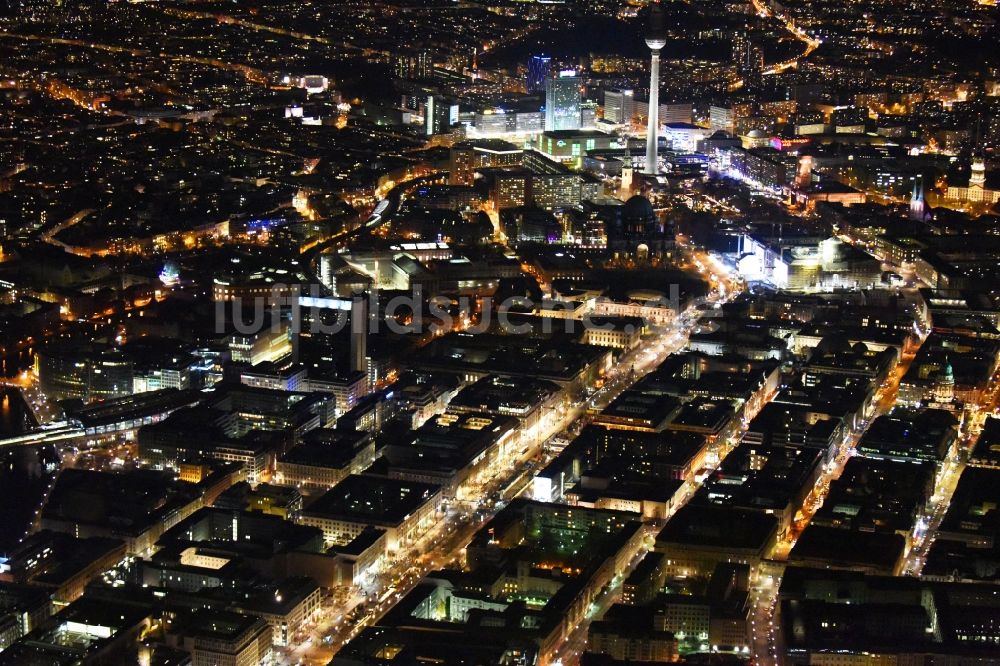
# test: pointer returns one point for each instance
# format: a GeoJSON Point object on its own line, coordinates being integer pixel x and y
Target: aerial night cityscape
{"type": "Point", "coordinates": [499, 332]}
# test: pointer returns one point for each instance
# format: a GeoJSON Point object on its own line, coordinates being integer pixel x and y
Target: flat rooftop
{"type": "Point", "coordinates": [987, 451]}
{"type": "Point", "coordinates": [762, 477]}
{"type": "Point", "coordinates": [849, 548]}
{"type": "Point", "coordinates": [319, 455]}
{"type": "Point", "coordinates": [635, 405]}
{"type": "Point", "coordinates": [219, 624]}
{"type": "Point", "coordinates": [509, 395]}
{"type": "Point", "coordinates": [373, 499]}
{"type": "Point", "coordinates": [719, 527]}
{"type": "Point", "coordinates": [704, 414]}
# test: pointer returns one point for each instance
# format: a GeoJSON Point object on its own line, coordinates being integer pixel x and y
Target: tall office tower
{"type": "Point", "coordinates": [670, 112]}
{"type": "Point", "coordinates": [722, 118]}
{"type": "Point", "coordinates": [619, 106]}
{"type": "Point", "coordinates": [418, 65]}
{"type": "Point", "coordinates": [676, 112]}
{"type": "Point", "coordinates": [656, 39]}
{"type": "Point", "coordinates": [747, 55]}
{"type": "Point", "coordinates": [538, 71]}
{"type": "Point", "coordinates": [359, 333]}
{"type": "Point", "coordinates": [562, 101]}
{"type": "Point", "coordinates": [439, 115]}
{"type": "Point", "coordinates": [741, 44]}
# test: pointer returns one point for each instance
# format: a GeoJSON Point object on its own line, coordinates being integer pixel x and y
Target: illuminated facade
{"type": "Point", "coordinates": [562, 102]}
{"type": "Point", "coordinates": [976, 191]}
{"type": "Point", "coordinates": [619, 106]}
{"type": "Point", "coordinates": [538, 72]}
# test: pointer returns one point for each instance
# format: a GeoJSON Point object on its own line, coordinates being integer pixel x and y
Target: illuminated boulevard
{"type": "Point", "coordinates": [766, 639]}
{"type": "Point", "coordinates": [342, 619]}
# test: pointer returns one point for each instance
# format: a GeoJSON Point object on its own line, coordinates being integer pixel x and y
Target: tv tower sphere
{"type": "Point", "coordinates": [656, 29]}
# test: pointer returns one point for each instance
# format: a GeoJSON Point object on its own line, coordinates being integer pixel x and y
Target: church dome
{"type": "Point", "coordinates": [638, 208]}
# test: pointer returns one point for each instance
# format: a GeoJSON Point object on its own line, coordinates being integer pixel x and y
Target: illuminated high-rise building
{"type": "Point", "coordinates": [418, 65]}
{"type": "Point", "coordinates": [359, 334]}
{"type": "Point", "coordinates": [656, 39]}
{"type": "Point", "coordinates": [619, 106]}
{"type": "Point", "coordinates": [588, 115]}
{"type": "Point", "coordinates": [439, 115]}
{"type": "Point", "coordinates": [538, 71]}
{"type": "Point", "coordinates": [562, 102]}
{"type": "Point", "coordinates": [721, 118]}
{"type": "Point", "coordinates": [747, 55]}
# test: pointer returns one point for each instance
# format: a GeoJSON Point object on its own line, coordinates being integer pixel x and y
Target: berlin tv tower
{"type": "Point", "coordinates": [656, 39]}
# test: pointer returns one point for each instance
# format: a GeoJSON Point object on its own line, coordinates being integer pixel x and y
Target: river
{"type": "Point", "coordinates": [24, 471]}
